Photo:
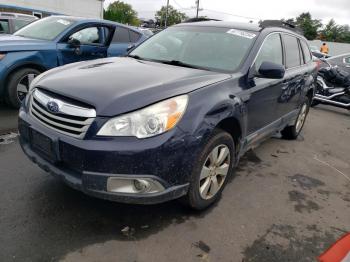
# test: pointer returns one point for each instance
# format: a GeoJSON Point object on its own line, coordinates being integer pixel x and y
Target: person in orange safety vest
{"type": "Point", "coordinates": [324, 48]}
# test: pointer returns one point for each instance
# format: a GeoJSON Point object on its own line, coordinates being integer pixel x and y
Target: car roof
{"type": "Point", "coordinates": [241, 26]}
{"type": "Point", "coordinates": [17, 15]}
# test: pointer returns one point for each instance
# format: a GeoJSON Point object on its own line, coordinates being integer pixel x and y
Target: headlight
{"type": "Point", "coordinates": [150, 121]}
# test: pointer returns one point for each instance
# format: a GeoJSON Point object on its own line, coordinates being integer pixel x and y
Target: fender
{"type": "Point", "coordinates": [203, 118]}
{"type": "Point", "coordinates": [42, 60]}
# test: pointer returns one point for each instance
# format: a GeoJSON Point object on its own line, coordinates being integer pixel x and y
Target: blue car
{"type": "Point", "coordinates": [56, 41]}
{"type": "Point", "coordinates": [172, 119]}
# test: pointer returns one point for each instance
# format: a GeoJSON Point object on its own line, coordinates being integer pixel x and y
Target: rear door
{"type": "Point", "coordinates": [93, 45]}
{"type": "Point", "coordinates": [262, 103]}
{"type": "Point", "coordinates": [123, 38]}
{"type": "Point", "coordinates": [294, 77]}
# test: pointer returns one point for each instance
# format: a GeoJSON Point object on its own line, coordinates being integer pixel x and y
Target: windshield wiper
{"type": "Point", "coordinates": [179, 63]}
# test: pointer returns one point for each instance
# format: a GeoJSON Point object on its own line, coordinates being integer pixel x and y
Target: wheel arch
{"type": "Point", "coordinates": [17, 67]}
{"type": "Point", "coordinates": [232, 126]}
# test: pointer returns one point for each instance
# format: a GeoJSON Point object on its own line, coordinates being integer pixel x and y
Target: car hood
{"type": "Point", "coordinates": [10, 43]}
{"type": "Point", "coordinates": [118, 85]}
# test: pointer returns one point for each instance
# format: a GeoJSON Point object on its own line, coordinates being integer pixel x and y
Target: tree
{"type": "Point", "coordinates": [332, 32]}
{"type": "Point", "coordinates": [174, 16]}
{"type": "Point", "coordinates": [309, 26]}
{"type": "Point", "coordinates": [121, 12]}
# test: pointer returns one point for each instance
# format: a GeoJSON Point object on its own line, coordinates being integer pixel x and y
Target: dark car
{"type": "Point", "coordinates": [12, 22]}
{"type": "Point", "coordinates": [56, 41]}
{"type": "Point", "coordinates": [173, 118]}
{"type": "Point", "coordinates": [342, 61]}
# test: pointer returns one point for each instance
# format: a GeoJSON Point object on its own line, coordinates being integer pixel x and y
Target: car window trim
{"type": "Point", "coordinates": [262, 44]}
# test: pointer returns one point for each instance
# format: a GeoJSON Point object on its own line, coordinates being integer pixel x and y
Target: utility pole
{"type": "Point", "coordinates": [166, 14]}
{"type": "Point", "coordinates": [197, 8]}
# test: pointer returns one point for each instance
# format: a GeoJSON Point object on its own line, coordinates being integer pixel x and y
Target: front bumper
{"type": "Point", "coordinates": [86, 165]}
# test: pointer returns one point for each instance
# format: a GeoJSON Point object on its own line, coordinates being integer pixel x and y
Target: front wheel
{"type": "Point", "coordinates": [18, 85]}
{"type": "Point", "coordinates": [292, 132]}
{"type": "Point", "coordinates": [211, 171]}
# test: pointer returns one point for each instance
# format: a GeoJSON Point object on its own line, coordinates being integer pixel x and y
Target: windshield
{"type": "Point", "coordinates": [211, 48]}
{"type": "Point", "coordinates": [46, 29]}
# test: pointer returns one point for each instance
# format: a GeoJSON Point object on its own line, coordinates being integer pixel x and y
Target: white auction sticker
{"type": "Point", "coordinates": [241, 33]}
{"type": "Point", "coordinates": [63, 22]}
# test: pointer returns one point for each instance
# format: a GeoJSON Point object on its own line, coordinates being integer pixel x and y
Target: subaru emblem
{"type": "Point", "coordinates": [53, 107]}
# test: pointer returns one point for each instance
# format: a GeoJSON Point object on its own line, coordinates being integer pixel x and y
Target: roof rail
{"type": "Point", "coordinates": [200, 19]}
{"type": "Point", "coordinates": [282, 24]}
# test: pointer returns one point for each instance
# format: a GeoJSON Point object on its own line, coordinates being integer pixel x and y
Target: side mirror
{"type": "Point", "coordinates": [271, 70]}
{"type": "Point", "coordinates": [73, 42]}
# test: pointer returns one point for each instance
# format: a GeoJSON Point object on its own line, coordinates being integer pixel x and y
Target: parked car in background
{"type": "Point", "coordinates": [342, 61]}
{"type": "Point", "coordinates": [173, 118]}
{"type": "Point", "coordinates": [12, 22]}
{"type": "Point", "coordinates": [56, 41]}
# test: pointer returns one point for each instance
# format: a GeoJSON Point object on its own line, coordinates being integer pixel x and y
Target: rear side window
{"type": "Point", "coordinates": [121, 35]}
{"type": "Point", "coordinates": [292, 51]}
{"type": "Point", "coordinates": [306, 51]}
{"type": "Point", "coordinates": [18, 24]}
{"type": "Point", "coordinates": [271, 51]}
{"type": "Point", "coordinates": [134, 37]}
{"type": "Point", "coordinates": [4, 27]}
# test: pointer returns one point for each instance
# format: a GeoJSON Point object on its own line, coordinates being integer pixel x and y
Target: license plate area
{"type": "Point", "coordinates": [42, 145]}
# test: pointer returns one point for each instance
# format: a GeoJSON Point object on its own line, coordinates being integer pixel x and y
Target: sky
{"type": "Point", "coordinates": [245, 10]}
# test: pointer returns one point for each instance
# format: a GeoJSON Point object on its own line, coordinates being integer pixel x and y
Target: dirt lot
{"type": "Point", "coordinates": [288, 202]}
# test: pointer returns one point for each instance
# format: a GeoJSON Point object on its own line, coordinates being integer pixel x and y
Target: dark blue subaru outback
{"type": "Point", "coordinates": [171, 119]}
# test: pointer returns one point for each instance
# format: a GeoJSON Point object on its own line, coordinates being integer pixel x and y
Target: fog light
{"type": "Point", "coordinates": [133, 185]}
{"type": "Point", "coordinates": [141, 185]}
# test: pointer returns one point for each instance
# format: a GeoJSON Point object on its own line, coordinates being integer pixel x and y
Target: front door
{"type": "Point", "coordinates": [86, 44]}
{"type": "Point", "coordinates": [264, 94]}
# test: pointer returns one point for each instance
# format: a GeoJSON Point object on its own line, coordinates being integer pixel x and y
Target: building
{"type": "Point", "coordinates": [43, 8]}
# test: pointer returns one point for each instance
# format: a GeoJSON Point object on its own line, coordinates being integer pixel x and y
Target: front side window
{"type": "Point", "coordinates": [4, 27]}
{"type": "Point", "coordinates": [211, 48]}
{"type": "Point", "coordinates": [292, 51]}
{"type": "Point", "coordinates": [87, 36]}
{"type": "Point", "coordinates": [271, 51]}
{"type": "Point", "coordinates": [18, 24]}
{"type": "Point", "coordinates": [46, 29]}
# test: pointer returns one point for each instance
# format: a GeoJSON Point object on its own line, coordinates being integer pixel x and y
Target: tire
{"type": "Point", "coordinates": [223, 142]}
{"type": "Point", "coordinates": [292, 132]}
{"type": "Point", "coordinates": [23, 76]}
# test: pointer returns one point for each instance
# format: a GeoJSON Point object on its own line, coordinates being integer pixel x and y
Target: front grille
{"type": "Point", "coordinates": [68, 119]}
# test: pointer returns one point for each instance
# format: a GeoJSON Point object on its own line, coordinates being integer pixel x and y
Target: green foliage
{"type": "Point", "coordinates": [174, 16]}
{"type": "Point", "coordinates": [314, 29]}
{"type": "Point", "coordinates": [309, 26]}
{"type": "Point", "coordinates": [121, 12]}
{"type": "Point", "coordinates": [335, 33]}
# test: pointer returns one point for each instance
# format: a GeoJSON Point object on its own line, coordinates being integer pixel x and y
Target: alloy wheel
{"type": "Point", "coordinates": [214, 171]}
{"type": "Point", "coordinates": [23, 85]}
{"type": "Point", "coordinates": [301, 118]}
